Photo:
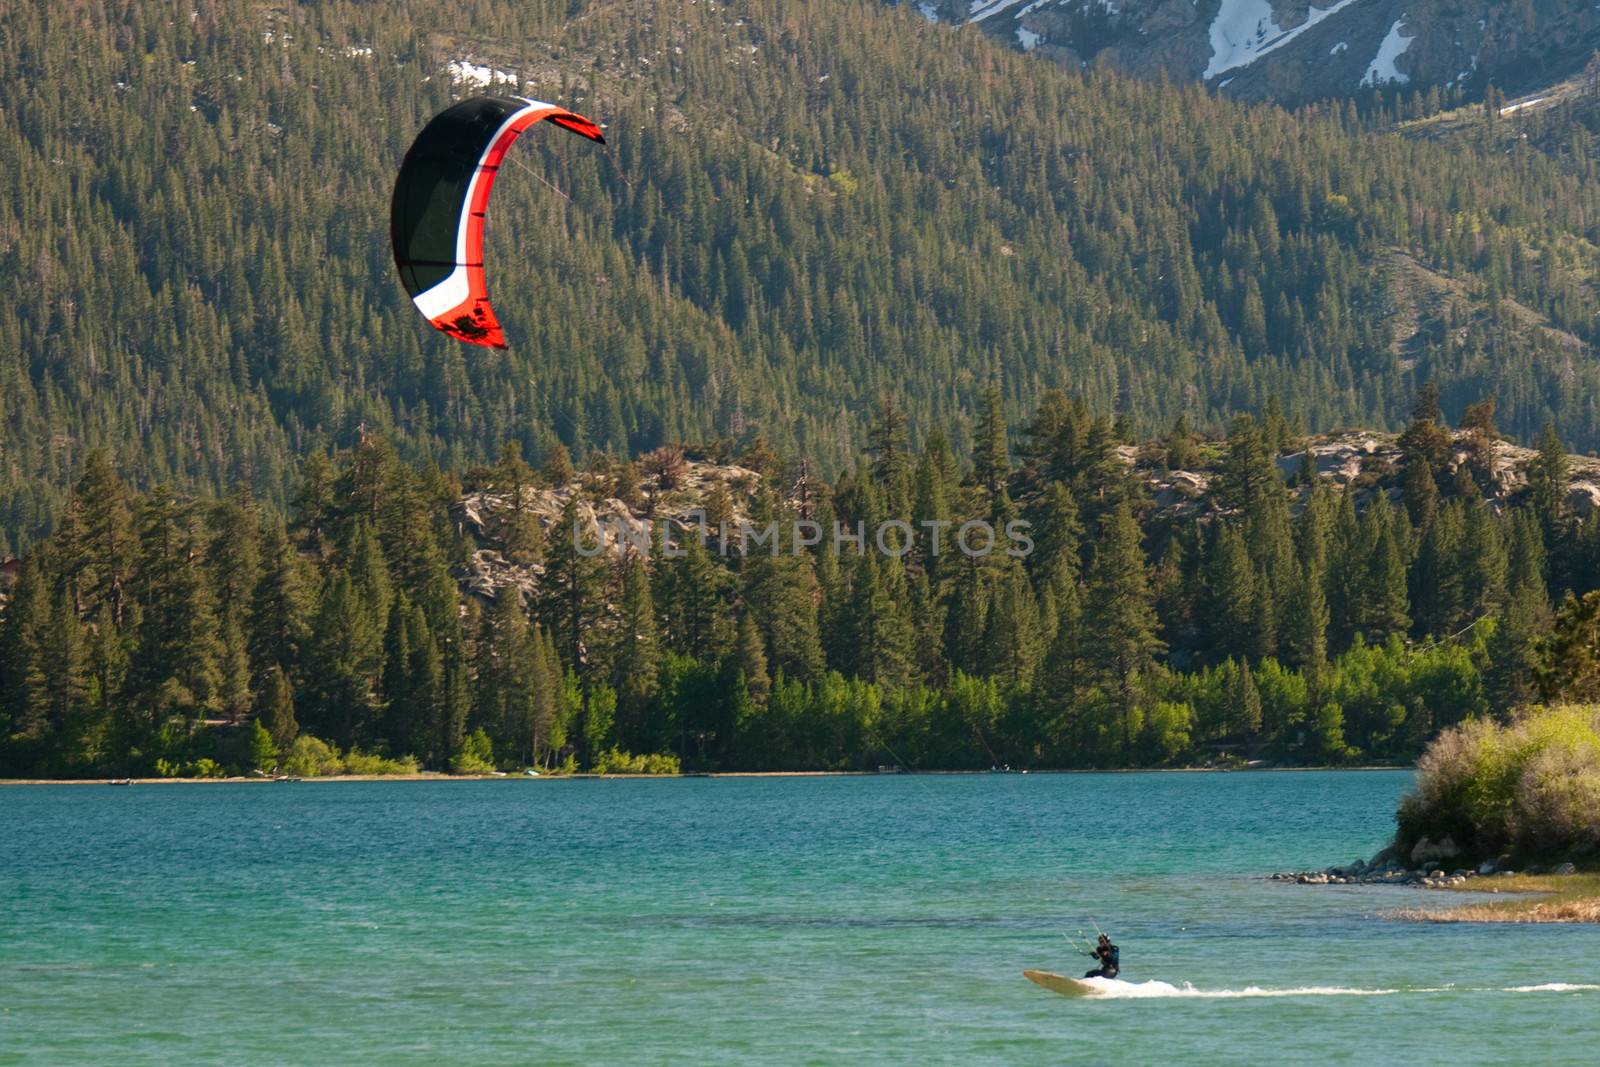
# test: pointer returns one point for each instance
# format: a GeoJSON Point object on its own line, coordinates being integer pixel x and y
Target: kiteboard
{"type": "Point", "coordinates": [1056, 983]}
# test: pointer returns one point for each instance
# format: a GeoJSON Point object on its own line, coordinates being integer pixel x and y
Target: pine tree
{"type": "Point", "coordinates": [550, 719]}
{"type": "Point", "coordinates": [175, 669]}
{"type": "Point", "coordinates": [313, 505]}
{"type": "Point", "coordinates": [931, 504]}
{"type": "Point", "coordinates": [966, 616]}
{"type": "Point", "coordinates": [1230, 592]}
{"type": "Point", "coordinates": [886, 444]}
{"type": "Point", "coordinates": [343, 660]}
{"type": "Point", "coordinates": [277, 708]}
{"type": "Point", "coordinates": [425, 695]}
{"type": "Point", "coordinates": [752, 659]}
{"type": "Point", "coordinates": [234, 693]}
{"type": "Point", "coordinates": [368, 570]}
{"type": "Point", "coordinates": [457, 704]}
{"type": "Point", "coordinates": [635, 657]}
{"type": "Point", "coordinates": [569, 601]}
{"type": "Point", "coordinates": [1485, 561]}
{"type": "Point", "coordinates": [1119, 623]}
{"type": "Point", "coordinates": [108, 652]}
{"type": "Point", "coordinates": [504, 682]}
{"type": "Point", "coordinates": [234, 554]}
{"type": "Point", "coordinates": [22, 639]}
{"type": "Point", "coordinates": [557, 471]}
{"type": "Point", "coordinates": [1438, 579]}
{"type": "Point", "coordinates": [1056, 530]}
{"type": "Point", "coordinates": [1420, 493]}
{"type": "Point", "coordinates": [881, 638]}
{"type": "Point", "coordinates": [1183, 453]}
{"type": "Point", "coordinates": [1426, 442]}
{"type": "Point", "coordinates": [1249, 473]}
{"type": "Point", "coordinates": [1307, 624]}
{"type": "Point", "coordinates": [1062, 676]}
{"type": "Point", "coordinates": [514, 478]}
{"type": "Point", "coordinates": [1245, 701]}
{"type": "Point", "coordinates": [779, 591]}
{"type": "Point", "coordinates": [693, 600]}
{"type": "Point", "coordinates": [1011, 638]}
{"type": "Point", "coordinates": [1547, 483]}
{"type": "Point", "coordinates": [280, 607]}
{"type": "Point", "coordinates": [600, 706]}
{"type": "Point", "coordinates": [106, 544]}
{"type": "Point", "coordinates": [991, 462]}
{"type": "Point", "coordinates": [1382, 601]}
{"type": "Point", "coordinates": [1512, 677]}
{"type": "Point", "coordinates": [62, 683]}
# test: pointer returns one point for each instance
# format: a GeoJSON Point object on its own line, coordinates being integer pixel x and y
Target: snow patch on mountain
{"type": "Point", "coordinates": [463, 73]}
{"type": "Point", "coordinates": [1382, 68]}
{"type": "Point", "coordinates": [979, 10]}
{"type": "Point", "coordinates": [1244, 31]}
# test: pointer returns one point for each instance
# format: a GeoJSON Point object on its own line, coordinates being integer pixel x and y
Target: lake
{"type": "Point", "coordinates": [741, 920]}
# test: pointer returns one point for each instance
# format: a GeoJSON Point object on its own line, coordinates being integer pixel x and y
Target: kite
{"type": "Point", "coordinates": [441, 198]}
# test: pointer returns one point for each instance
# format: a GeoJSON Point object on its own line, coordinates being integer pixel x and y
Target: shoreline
{"type": "Point", "coordinates": [439, 776]}
{"type": "Point", "coordinates": [1536, 898]}
{"type": "Point", "coordinates": [1557, 895]}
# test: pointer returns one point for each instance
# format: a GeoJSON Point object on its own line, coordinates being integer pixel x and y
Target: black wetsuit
{"type": "Point", "coordinates": [1109, 963]}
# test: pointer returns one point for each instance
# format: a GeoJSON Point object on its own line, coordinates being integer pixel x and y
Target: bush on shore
{"type": "Point", "coordinates": [312, 757]}
{"type": "Point", "coordinates": [1529, 789]}
{"type": "Point", "coordinates": [359, 762]}
{"type": "Point", "coordinates": [616, 761]}
{"type": "Point", "coordinates": [476, 755]}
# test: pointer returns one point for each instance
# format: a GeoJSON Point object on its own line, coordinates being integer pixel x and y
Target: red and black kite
{"type": "Point", "coordinates": [441, 197]}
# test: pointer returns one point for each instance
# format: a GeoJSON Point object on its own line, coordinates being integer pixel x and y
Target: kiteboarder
{"type": "Point", "coordinates": [1107, 954]}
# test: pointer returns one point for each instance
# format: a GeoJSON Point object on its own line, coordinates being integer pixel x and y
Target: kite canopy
{"type": "Point", "coordinates": [440, 200]}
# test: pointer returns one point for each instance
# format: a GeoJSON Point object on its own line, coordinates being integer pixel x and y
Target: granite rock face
{"type": "Point", "coordinates": [1363, 462]}
{"type": "Point", "coordinates": [1296, 51]}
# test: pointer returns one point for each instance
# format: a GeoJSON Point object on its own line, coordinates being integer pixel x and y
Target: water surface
{"type": "Point", "coordinates": [708, 921]}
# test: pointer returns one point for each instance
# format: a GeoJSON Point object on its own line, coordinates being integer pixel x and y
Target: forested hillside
{"type": "Point", "coordinates": [803, 207]}
{"type": "Point", "coordinates": [1313, 620]}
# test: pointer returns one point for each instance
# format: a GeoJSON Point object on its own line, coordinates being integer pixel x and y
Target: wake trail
{"type": "Point", "coordinates": [1115, 989]}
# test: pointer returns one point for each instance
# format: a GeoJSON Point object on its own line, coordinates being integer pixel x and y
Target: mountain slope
{"type": "Point", "coordinates": [1295, 51]}
{"type": "Point", "coordinates": [797, 214]}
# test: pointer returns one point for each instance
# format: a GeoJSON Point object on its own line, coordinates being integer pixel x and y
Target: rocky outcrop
{"type": "Point", "coordinates": [1368, 461]}
{"type": "Point", "coordinates": [658, 511]}
{"type": "Point", "coordinates": [1359, 461]}
{"type": "Point", "coordinates": [1295, 51]}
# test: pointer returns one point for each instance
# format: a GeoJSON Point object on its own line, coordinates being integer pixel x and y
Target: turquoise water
{"type": "Point", "coordinates": [810, 920]}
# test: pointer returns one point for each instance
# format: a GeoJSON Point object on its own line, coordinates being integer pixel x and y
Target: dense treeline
{"type": "Point", "coordinates": [1290, 622]}
{"type": "Point", "coordinates": [803, 207]}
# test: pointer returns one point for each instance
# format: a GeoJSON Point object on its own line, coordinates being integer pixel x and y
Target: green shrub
{"type": "Point", "coordinates": [200, 768]}
{"type": "Point", "coordinates": [616, 761]}
{"type": "Point", "coordinates": [312, 757]}
{"type": "Point", "coordinates": [1530, 788]}
{"type": "Point", "coordinates": [476, 755]}
{"type": "Point", "coordinates": [206, 767]}
{"type": "Point", "coordinates": [358, 762]}
{"type": "Point", "coordinates": [262, 754]}
{"type": "Point", "coordinates": [1166, 730]}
